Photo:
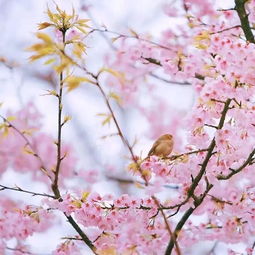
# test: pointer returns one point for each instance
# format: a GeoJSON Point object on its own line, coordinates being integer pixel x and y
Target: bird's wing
{"type": "Point", "coordinates": [153, 148]}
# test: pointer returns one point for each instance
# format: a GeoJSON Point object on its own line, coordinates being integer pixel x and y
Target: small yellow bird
{"type": "Point", "coordinates": [163, 146]}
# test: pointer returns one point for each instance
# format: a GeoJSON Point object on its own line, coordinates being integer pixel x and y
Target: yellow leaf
{"type": "Point", "coordinates": [139, 185]}
{"type": "Point", "coordinates": [36, 47]}
{"type": "Point", "coordinates": [51, 93]}
{"type": "Point", "coordinates": [133, 33]}
{"type": "Point", "coordinates": [202, 40]}
{"type": "Point", "coordinates": [102, 114]}
{"type": "Point", "coordinates": [60, 68]}
{"type": "Point", "coordinates": [82, 21]}
{"type": "Point", "coordinates": [184, 158]}
{"type": "Point", "coordinates": [107, 120]}
{"type": "Point", "coordinates": [115, 97]}
{"type": "Point", "coordinates": [204, 35]}
{"type": "Point", "coordinates": [50, 61]}
{"type": "Point", "coordinates": [42, 50]}
{"type": "Point", "coordinates": [66, 119]}
{"type": "Point", "coordinates": [11, 118]}
{"type": "Point", "coordinates": [81, 29]}
{"type": "Point", "coordinates": [108, 251]}
{"type": "Point", "coordinates": [35, 216]}
{"type": "Point", "coordinates": [59, 10]}
{"type": "Point", "coordinates": [133, 167]}
{"type": "Point", "coordinates": [73, 82]}
{"type": "Point", "coordinates": [5, 128]}
{"type": "Point", "coordinates": [44, 25]}
{"type": "Point", "coordinates": [27, 151]}
{"type": "Point", "coordinates": [79, 49]}
{"type": "Point", "coordinates": [46, 38]}
{"type": "Point", "coordinates": [201, 46]}
{"type": "Point", "coordinates": [113, 72]}
{"type": "Point", "coordinates": [6, 131]}
{"type": "Point", "coordinates": [77, 203]}
{"type": "Point", "coordinates": [114, 39]}
{"type": "Point", "coordinates": [84, 196]}
{"type": "Point", "coordinates": [28, 131]}
{"type": "Point", "coordinates": [50, 15]}
{"type": "Point", "coordinates": [146, 173]}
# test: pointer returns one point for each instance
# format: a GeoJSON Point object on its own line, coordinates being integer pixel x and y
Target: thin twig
{"type": "Point", "coordinates": [225, 29]}
{"type": "Point", "coordinates": [178, 251]}
{"type": "Point", "coordinates": [129, 36]}
{"type": "Point", "coordinates": [59, 140]}
{"type": "Point", "coordinates": [129, 181]}
{"type": "Point", "coordinates": [81, 233]}
{"type": "Point", "coordinates": [28, 143]}
{"type": "Point", "coordinates": [3, 187]}
{"type": "Point", "coordinates": [173, 157]}
{"type": "Point", "coordinates": [23, 251]}
{"type": "Point", "coordinates": [169, 81]}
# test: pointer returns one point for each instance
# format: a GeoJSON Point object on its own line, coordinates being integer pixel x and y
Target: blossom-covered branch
{"type": "Point", "coordinates": [248, 161]}
{"type": "Point", "coordinates": [190, 193]}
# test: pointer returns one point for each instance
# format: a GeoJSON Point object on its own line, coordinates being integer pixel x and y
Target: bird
{"type": "Point", "coordinates": [162, 147]}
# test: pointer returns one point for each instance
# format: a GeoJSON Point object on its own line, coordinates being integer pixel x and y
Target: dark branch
{"type": "Point", "coordinates": [3, 187]}
{"type": "Point", "coordinates": [190, 193]}
{"type": "Point", "coordinates": [81, 233]}
{"type": "Point", "coordinates": [248, 161]}
{"type": "Point", "coordinates": [130, 181]}
{"type": "Point", "coordinates": [119, 35]}
{"type": "Point", "coordinates": [173, 157]}
{"type": "Point", "coordinates": [54, 185]}
{"type": "Point", "coordinates": [243, 16]}
{"type": "Point", "coordinates": [225, 29]}
{"type": "Point", "coordinates": [169, 81]}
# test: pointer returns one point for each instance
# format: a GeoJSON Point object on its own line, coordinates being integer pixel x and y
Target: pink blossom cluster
{"type": "Point", "coordinates": [34, 152]}
{"type": "Point", "coordinates": [123, 223]}
{"type": "Point", "coordinates": [21, 222]}
{"type": "Point", "coordinates": [67, 248]}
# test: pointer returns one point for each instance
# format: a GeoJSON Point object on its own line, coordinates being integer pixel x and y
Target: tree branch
{"type": "Point", "coordinates": [169, 81]}
{"type": "Point", "coordinates": [28, 143]}
{"type": "Point", "coordinates": [184, 218]}
{"type": "Point", "coordinates": [81, 233]}
{"type": "Point", "coordinates": [190, 192]}
{"type": "Point", "coordinates": [173, 157]}
{"type": "Point", "coordinates": [172, 236]}
{"type": "Point", "coordinates": [54, 185]}
{"type": "Point", "coordinates": [119, 35]}
{"type": "Point", "coordinates": [248, 161]}
{"type": "Point", "coordinates": [130, 181]}
{"type": "Point", "coordinates": [243, 16]}
{"type": "Point", "coordinates": [20, 250]}
{"type": "Point", "coordinates": [3, 187]}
